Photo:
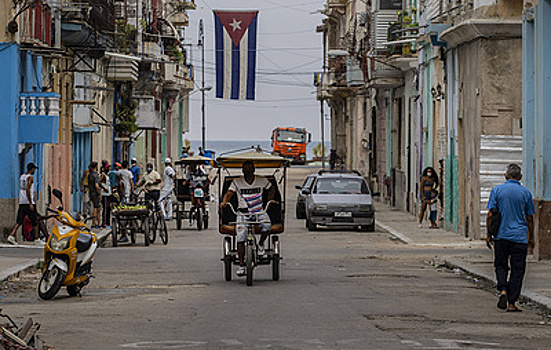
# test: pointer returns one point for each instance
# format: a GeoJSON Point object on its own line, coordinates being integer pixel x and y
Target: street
{"type": "Point", "coordinates": [338, 290]}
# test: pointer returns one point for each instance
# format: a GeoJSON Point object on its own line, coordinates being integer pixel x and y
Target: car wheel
{"type": "Point", "coordinates": [311, 226]}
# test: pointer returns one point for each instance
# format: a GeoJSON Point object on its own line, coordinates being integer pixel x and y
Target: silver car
{"type": "Point", "coordinates": [340, 199]}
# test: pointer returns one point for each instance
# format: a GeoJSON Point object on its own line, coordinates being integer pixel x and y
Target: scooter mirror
{"type": "Point", "coordinates": [57, 194]}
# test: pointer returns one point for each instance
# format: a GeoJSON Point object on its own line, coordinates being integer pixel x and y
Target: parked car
{"type": "Point", "coordinates": [301, 198]}
{"type": "Point", "coordinates": [340, 199]}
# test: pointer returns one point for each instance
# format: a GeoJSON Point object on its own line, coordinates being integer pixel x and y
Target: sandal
{"type": "Point", "coordinates": [516, 309]}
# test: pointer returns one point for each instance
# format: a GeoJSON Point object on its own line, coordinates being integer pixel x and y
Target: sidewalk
{"type": "Point", "coordinates": [12, 263]}
{"type": "Point", "coordinates": [478, 260]}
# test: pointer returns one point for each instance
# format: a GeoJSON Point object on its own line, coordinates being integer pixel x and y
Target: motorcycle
{"type": "Point", "coordinates": [68, 254]}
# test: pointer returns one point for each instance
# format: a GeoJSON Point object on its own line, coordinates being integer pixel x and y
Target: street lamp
{"type": "Point", "coordinates": [203, 88]}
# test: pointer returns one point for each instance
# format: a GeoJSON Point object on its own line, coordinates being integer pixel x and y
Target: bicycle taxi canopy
{"type": "Point", "coordinates": [260, 160]}
{"type": "Point", "coordinates": [193, 160]}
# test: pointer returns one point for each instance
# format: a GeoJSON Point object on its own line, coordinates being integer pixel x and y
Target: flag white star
{"type": "Point", "coordinates": [235, 25]}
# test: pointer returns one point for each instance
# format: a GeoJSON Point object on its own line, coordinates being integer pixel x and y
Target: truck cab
{"type": "Point", "coordinates": [291, 143]}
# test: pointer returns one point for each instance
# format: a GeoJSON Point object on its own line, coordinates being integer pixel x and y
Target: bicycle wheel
{"type": "Point", "coordinates": [114, 229]}
{"type": "Point", "coordinates": [161, 226]}
{"type": "Point", "coordinates": [179, 216]}
{"type": "Point", "coordinates": [206, 220]}
{"type": "Point", "coordinates": [275, 259]}
{"type": "Point", "coordinates": [250, 264]}
{"type": "Point", "coordinates": [145, 226]}
{"type": "Point", "coordinates": [152, 228]}
{"type": "Point", "coordinates": [199, 218]}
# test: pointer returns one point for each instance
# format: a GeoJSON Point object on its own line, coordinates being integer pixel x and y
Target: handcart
{"type": "Point", "coordinates": [132, 220]}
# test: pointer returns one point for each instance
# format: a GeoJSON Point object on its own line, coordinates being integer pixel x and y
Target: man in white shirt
{"type": "Point", "coordinates": [166, 191]}
{"type": "Point", "coordinates": [27, 204]}
{"type": "Point", "coordinates": [249, 189]}
{"type": "Point", "coordinates": [125, 181]}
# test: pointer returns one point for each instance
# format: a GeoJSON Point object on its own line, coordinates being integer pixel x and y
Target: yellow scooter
{"type": "Point", "coordinates": [68, 254]}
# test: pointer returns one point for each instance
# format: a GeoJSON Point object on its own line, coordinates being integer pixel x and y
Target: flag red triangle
{"type": "Point", "coordinates": [236, 23]}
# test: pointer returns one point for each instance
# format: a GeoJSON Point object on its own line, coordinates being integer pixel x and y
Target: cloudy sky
{"type": "Point", "coordinates": [289, 52]}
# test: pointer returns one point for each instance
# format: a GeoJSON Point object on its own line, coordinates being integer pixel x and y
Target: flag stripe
{"type": "Point", "coordinates": [244, 61]}
{"type": "Point", "coordinates": [219, 42]}
{"type": "Point", "coordinates": [235, 66]}
{"type": "Point", "coordinates": [227, 66]}
{"type": "Point", "coordinates": [252, 59]}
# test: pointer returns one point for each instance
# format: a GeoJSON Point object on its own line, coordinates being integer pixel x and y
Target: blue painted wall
{"type": "Point", "coordinates": [536, 99]}
{"type": "Point", "coordinates": [21, 72]}
{"type": "Point", "coordinates": [10, 79]}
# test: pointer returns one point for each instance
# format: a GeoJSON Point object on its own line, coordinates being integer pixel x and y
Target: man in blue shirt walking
{"type": "Point", "coordinates": [516, 233]}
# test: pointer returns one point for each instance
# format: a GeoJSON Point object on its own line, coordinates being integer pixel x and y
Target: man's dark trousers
{"type": "Point", "coordinates": [515, 252]}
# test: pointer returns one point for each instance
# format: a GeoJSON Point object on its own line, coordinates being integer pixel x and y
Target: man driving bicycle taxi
{"type": "Point", "coordinates": [250, 188]}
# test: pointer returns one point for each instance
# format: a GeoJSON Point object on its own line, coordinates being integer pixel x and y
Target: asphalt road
{"type": "Point", "coordinates": [338, 290]}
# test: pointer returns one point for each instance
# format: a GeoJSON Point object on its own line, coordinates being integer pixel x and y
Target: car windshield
{"type": "Point", "coordinates": [341, 186]}
{"type": "Point", "coordinates": [290, 136]}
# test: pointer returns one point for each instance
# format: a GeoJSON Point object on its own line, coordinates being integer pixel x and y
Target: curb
{"type": "Point", "coordinates": [399, 236]}
{"type": "Point", "coordinates": [102, 237]}
{"type": "Point", "coordinates": [16, 270]}
{"type": "Point", "coordinates": [533, 297]}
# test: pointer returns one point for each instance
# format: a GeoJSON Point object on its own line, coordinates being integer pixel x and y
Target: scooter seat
{"type": "Point", "coordinates": [84, 242]}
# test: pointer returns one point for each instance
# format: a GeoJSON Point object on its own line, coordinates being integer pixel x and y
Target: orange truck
{"type": "Point", "coordinates": [291, 143]}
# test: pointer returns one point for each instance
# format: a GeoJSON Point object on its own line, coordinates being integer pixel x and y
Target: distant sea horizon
{"type": "Point", "coordinates": [221, 146]}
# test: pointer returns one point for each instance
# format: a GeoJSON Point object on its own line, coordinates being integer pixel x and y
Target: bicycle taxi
{"type": "Point", "coordinates": [194, 190]}
{"type": "Point", "coordinates": [232, 218]}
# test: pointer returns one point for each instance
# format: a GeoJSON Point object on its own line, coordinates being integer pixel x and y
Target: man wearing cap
{"type": "Point", "coordinates": [26, 203]}
{"type": "Point", "coordinates": [166, 191]}
{"type": "Point", "coordinates": [135, 170]}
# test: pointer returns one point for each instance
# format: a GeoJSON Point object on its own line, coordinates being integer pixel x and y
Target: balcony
{"type": "Point", "coordinates": [123, 69]}
{"type": "Point", "coordinates": [36, 25]}
{"type": "Point", "coordinates": [99, 14]}
{"type": "Point", "coordinates": [151, 49]}
{"type": "Point", "coordinates": [38, 117]}
{"type": "Point", "coordinates": [178, 76]}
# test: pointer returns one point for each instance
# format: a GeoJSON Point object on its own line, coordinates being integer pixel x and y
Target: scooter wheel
{"type": "Point", "coordinates": [50, 283]}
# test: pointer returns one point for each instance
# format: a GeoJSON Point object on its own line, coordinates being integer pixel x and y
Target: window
{"type": "Point", "coordinates": [390, 5]}
{"type": "Point", "coordinates": [341, 186]}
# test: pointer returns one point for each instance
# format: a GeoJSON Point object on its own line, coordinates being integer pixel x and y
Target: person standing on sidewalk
{"type": "Point", "coordinates": [126, 184]}
{"type": "Point", "coordinates": [105, 195]}
{"type": "Point", "coordinates": [85, 193]}
{"type": "Point", "coordinates": [135, 170]}
{"type": "Point", "coordinates": [27, 204]}
{"type": "Point", "coordinates": [95, 194]}
{"type": "Point", "coordinates": [515, 235]}
{"type": "Point", "coordinates": [429, 182]}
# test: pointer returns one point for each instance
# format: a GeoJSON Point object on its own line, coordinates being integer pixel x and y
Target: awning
{"type": "Point", "coordinates": [85, 128]}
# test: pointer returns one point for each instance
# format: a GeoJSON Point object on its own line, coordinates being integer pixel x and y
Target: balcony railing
{"type": "Point", "coordinates": [38, 117]}
{"type": "Point", "coordinates": [177, 73]}
{"type": "Point", "coordinates": [36, 24]}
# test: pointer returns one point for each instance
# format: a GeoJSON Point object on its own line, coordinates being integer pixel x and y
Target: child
{"type": "Point", "coordinates": [433, 209]}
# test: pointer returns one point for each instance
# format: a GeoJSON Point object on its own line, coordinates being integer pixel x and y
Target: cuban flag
{"type": "Point", "coordinates": [235, 54]}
